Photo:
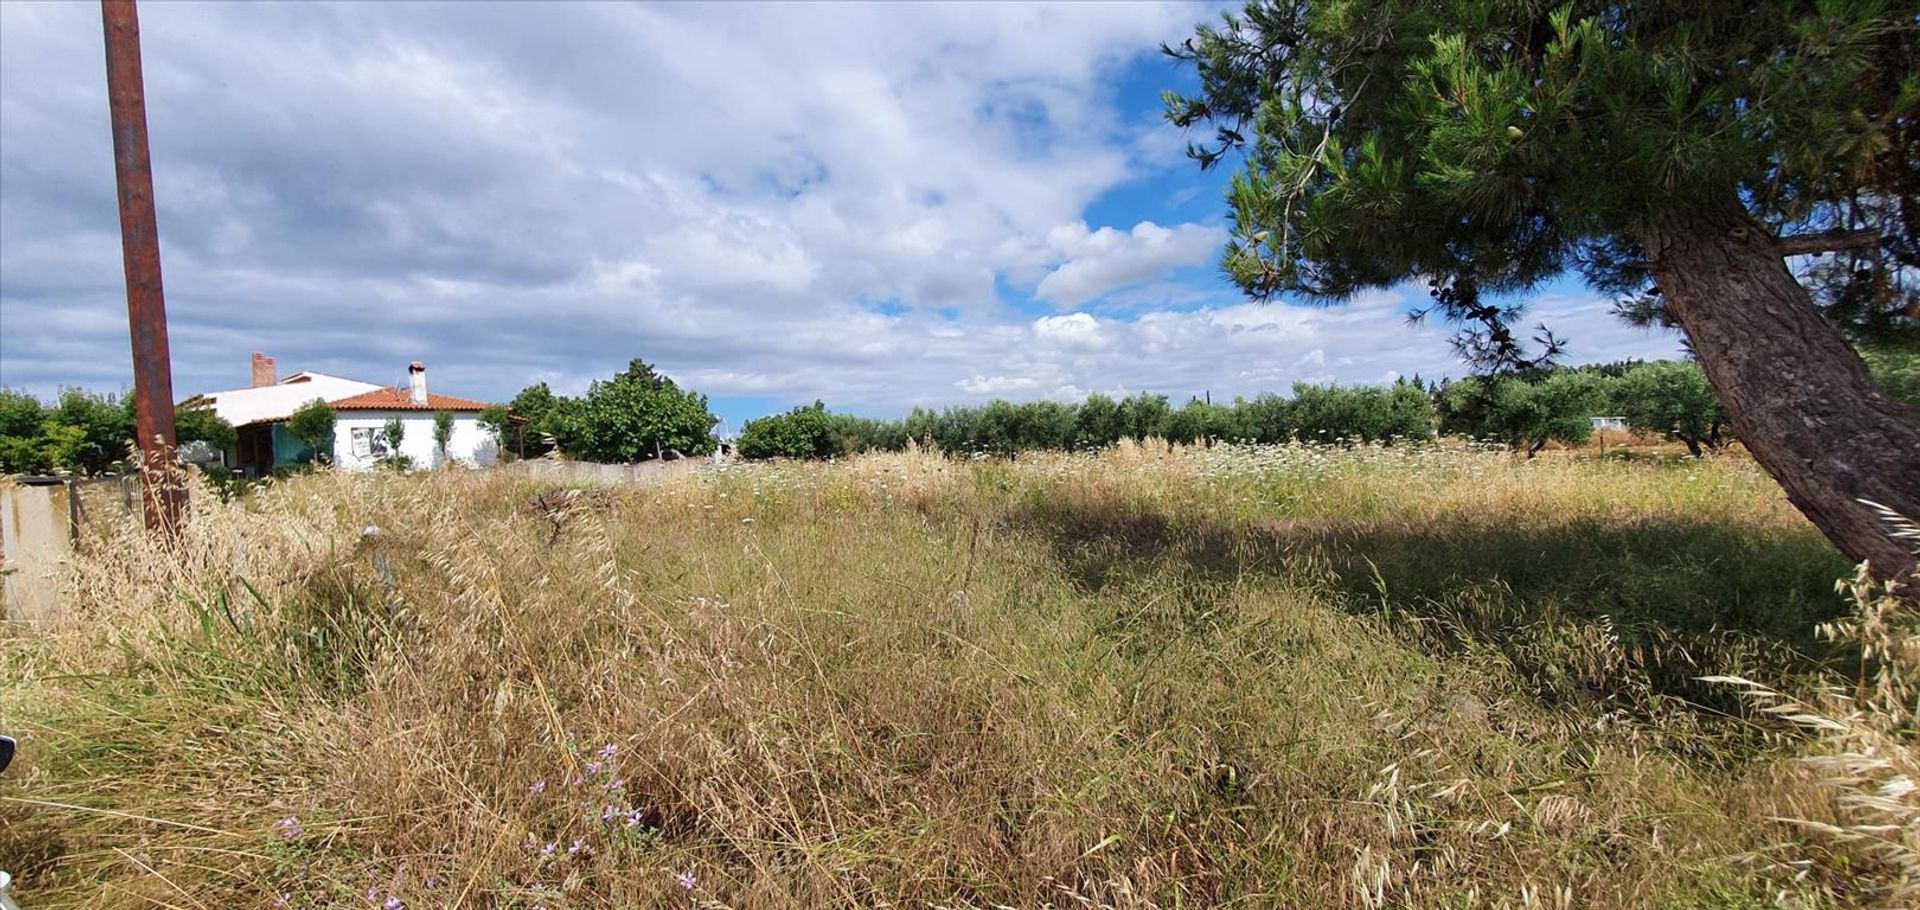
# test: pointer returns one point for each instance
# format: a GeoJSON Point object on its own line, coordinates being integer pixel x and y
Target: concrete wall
{"type": "Point", "coordinates": [470, 445]}
{"type": "Point", "coordinates": [34, 541]}
{"type": "Point", "coordinates": [555, 470]}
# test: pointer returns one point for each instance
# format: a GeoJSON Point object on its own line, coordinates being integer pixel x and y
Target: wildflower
{"type": "Point", "coordinates": [617, 784]}
{"type": "Point", "coordinates": [685, 880]}
{"type": "Point", "coordinates": [607, 812]}
{"type": "Point", "coordinates": [548, 849]}
{"type": "Point", "coordinates": [591, 768]}
{"type": "Point", "coordinates": [607, 750]}
{"type": "Point", "coordinates": [289, 827]}
{"type": "Point", "coordinates": [393, 903]}
{"type": "Point", "coordinates": [537, 787]}
{"type": "Point", "coordinates": [284, 900]}
{"type": "Point", "coordinates": [633, 818]}
{"type": "Point", "coordinates": [579, 844]}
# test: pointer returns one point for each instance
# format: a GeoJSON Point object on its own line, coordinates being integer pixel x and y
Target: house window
{"type": "Point", "coordinates": [369, 442]}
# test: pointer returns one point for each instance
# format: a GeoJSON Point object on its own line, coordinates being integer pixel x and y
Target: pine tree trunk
{"type": "Point", "coordinates": [1800, 398]}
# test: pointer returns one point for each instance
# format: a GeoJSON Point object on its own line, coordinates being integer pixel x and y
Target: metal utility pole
{"type": "Point", "coordinates": [140, 244]}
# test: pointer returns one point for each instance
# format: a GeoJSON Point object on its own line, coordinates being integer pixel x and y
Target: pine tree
{"type": "Point", "coordinates": [1678, 154]}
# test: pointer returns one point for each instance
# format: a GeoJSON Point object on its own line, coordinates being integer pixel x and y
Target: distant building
{"type": "Point", "coordinates": [259, 413]}
{"type": "Point", "coordinates": [1609, 423]}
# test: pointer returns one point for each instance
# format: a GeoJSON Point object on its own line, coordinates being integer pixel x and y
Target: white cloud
{"type": "Point", "coordinates": [1073, 331]}
{"type": "Point", "coordinates": [997, 385]}
{"type": "Point", "coordinates": [1106, 259]}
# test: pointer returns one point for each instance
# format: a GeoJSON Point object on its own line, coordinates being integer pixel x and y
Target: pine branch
{"type": "Point", "coordinates": [1828, 242]}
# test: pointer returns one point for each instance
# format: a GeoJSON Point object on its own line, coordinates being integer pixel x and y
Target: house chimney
{"type": "Point", "coordinates": [263, 374]}
{"type": "Point", "coordinates": [417, 381]}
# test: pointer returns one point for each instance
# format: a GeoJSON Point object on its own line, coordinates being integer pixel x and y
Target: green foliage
{"type": "Point", "coordinates": [496, 420]}
{"type": "Point", "coordinates": [312, 423]}
{"type": "Point", "coordinates": [1671, 399]}
{"type": "Point", "coordinates": [545, 414]}
{"type": "Point", "coordinates": [852, 434]}
{"type": "Point", "coordinates": [637, 414]}
{"type": "Point", "coordinates": [1897, 371]}
{"type": "Point", "coordinates": [106, 425]}
{"type": "Point", "coordinates": [442, 430]}
{"type": "Point", "coordinates": [634, 416]}
{"type": "Point", "coordinates": [1491, 146]}
{"type": "Point", "coordinates": [1524, 414]}
{"type": "Point", "coordinates": [804, 432]}
{"type": "Point", "coordinates": [1097, 424]}
{"type": "Point", "coordinates": [1349, 414]}
{"type": "Point", "coordinates": [196, 422]}
{"type": "Point", "coordinates": [82, 433]}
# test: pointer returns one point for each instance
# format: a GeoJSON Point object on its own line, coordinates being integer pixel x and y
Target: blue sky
{"type": "Point", "coordinates": [875, 205]}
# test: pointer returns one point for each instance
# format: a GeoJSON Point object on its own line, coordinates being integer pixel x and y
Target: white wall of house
{"type": "Point", "coordinates": [359, 439]}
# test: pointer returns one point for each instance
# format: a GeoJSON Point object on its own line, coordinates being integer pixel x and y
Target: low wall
{"type": "Point", "coordinates": [35, 533]}
{"type": "Point", "coordinates": [559, 471]}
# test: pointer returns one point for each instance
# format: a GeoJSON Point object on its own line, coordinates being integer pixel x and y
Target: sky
{"type": "Point", "coordinates": [878, 206]}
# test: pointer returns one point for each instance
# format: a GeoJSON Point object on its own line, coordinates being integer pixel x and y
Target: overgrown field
{"type": "Point", "coordinates": [1280, 677]}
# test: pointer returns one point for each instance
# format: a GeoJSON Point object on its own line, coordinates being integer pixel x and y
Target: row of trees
{"type": "Point", "coordinates": [81, 432]}
{"type": "Point", "coordinates": [1664, 399]}
{"type": "Point", "coordinates": [639, 414]}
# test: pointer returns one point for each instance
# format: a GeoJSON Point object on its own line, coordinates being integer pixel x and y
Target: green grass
{"type": "Point", "coordinates": [1228, 678]}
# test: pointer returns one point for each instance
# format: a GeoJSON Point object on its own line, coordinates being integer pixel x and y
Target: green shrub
{"type": "Point", "coordinates": [804, 432]}
{"type": "Point", "coordinates": [312, 423]}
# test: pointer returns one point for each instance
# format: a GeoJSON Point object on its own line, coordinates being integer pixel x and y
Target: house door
{"type": "Point", "coordinates": [253, 450]}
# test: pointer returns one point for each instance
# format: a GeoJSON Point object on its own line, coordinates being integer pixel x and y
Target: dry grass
{"type": "Point", "coordinates": [1228, 678]}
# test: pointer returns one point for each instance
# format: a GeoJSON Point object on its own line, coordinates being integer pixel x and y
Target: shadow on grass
{"type": "Point", "coordinates": [1625, 613]}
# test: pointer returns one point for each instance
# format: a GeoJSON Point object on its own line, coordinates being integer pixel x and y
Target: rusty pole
{"type": "Point", "coordinates": [140, 244]}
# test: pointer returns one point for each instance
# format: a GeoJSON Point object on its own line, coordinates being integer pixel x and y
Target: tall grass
{"type": "Point", "coordinates": [1158, 677]}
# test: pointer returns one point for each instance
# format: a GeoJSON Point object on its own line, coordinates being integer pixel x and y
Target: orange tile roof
{"type": "Point", "coordinates": [402, 400]}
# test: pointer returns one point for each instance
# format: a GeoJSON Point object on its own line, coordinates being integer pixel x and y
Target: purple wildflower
{"type": "Point", "coordinates": [608, 812]}
{"type": "Point", "coordinates": [289, 827]}
{"type": "Point", "coordinates": [284, 900]}
{"type": "Point", "coordinates": [579, 844]}
{"type": "Point", "coordinates": [686, 880]}
{"type": "Point", "coordinates": [537, 787]}
{"type": "Point", "coordinates": [547, 850]}
{"type": "Point", "coordinates": [607, 750]}
{"type": "Point", "coordinates": [591, 768]}
{"type": "Point", "coordinates": [393, 903]}
{"type": "Point", "coordinates": [633, 818]}
{"type": "Point", "coordinates": [617, 784]}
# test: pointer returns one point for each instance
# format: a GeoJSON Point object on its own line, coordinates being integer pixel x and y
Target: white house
{"type": "Point", "coordinates": [260, 413]}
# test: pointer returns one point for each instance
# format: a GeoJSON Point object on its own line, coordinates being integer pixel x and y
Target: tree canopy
{"type": "Point", "coordinates": [312, 423]}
